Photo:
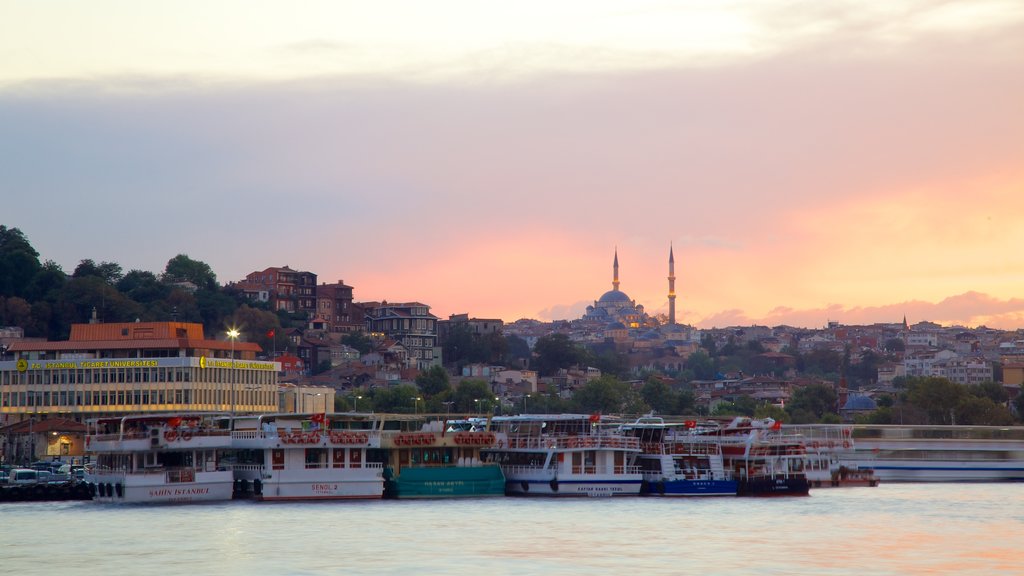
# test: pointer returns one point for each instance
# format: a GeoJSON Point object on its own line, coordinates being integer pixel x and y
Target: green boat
{"type": "Point", "coordinates": [436, 457]}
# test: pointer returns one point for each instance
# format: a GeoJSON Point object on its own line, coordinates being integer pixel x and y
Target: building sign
{"type": "Point", "coordinates": [25, 365]}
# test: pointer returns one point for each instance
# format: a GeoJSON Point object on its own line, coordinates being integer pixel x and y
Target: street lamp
{"type": "Point", "coordinates": [525, 396]}
{"type": "Point", "coordinates": [415, 404]}
{"type": "Point", "coordinates": [476, 401]}
{"type": "Point", "coordinates": [355, 403]}
{"type": "Point", "coordinates": [233, 335]}
{"type": "Point", "coordinates": [497, 405]}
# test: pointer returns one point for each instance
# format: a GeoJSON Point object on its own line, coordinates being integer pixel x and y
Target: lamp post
{"type": "Point", "coordinates": [525, 396]}
{"type": "Point", "coordinates": [355, 403]}
{"type": "Point", "coordinates": [415, 404]}
{"type": "Point", "coordinates": [497, 405]}
{"type": "Point", "coordinates": [476, 401]}
{"type": "Point", "coordinates": [233, 335]}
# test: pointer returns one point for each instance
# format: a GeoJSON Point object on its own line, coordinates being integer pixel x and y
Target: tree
{"type": "Point", "coordinates": [393, 399]}
{"type": "Point", "coordinates": [518, 349]}
{"type": "Point", "coordinates": [110, 272]}
{"type": "Point", "coordinates": [143, 287]}
{"type": "Point", "coordinates": [604, 394]}
{"type": "Point", "coordinates": [701, 365]}
{"type": "Point", "coordinates": [19, 262]}
{"type": "Point", "coordinates": [433, 381]}
{"type": "Point", "coordinates": [937, 397]}
{"type": "Point", "coordinates": [1018, 404]}
{"type": "Point", "coordinates": [258, 325]}
{"type": "Point", "coordinates": [895, 345]}
{"type": "Point", "coordinates": [182, 268]}
{"type": "Point", "coordinates": [994, 391]}
{"type": "Point", "coordinates": [468, 391]}
{"type": "Point", "coordinates": [814, 399]}
{"type": "Point", "coordinates": [359, 341]}
{"type": "Point", "coordinates": [555, 352]}
{"type": "Point", "coordinates": [659, 397]}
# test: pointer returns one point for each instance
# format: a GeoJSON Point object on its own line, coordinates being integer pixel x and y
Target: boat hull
{"type": "Point", "coordinates": [445, 482]}
{"type": "Point", "coordinates": [153, 489]}
{"type": "Point", "coordinates": [791, 486]}
{"type": "Point", "coordinates": [685, 487]}
{"type": "Point", "coordinates": [572, 487]}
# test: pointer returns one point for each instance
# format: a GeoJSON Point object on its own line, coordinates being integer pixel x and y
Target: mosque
{"type": "Point", "coordinates": [615, 307]}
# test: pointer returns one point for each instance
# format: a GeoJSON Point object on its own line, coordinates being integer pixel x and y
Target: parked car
{"type": "Point", "coordinates": [23, 476]}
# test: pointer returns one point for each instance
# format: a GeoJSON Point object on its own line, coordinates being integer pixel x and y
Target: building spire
{"type": "Point", "coordinates": [671, 286]}
{"type": "Point", "coordinates": [615, 267]}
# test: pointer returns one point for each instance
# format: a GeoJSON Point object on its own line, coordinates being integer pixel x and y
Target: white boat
{"type": "Point", "coordinates": [826, 446]}
{"type": "Point", "coordinates": [918, 453]}
{"type": "Point", "coordinates": [306, 456]}
{"type": "Point", "coordinates": [676, 462]}
{"type": "Point", "coordinates": [159, 458]}
{"type": "Point", "coordinates": [764, 460]}
{"type": "Point", "coordinates": [565, 455]}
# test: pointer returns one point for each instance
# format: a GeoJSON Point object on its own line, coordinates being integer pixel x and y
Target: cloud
{"type": "Point", "coordinates": [968, 309]}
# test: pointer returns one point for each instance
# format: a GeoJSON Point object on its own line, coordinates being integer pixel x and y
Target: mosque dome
{"type": "Point", "coordinates": [859, 402]}
{"type": "Point", "coordinates": [614, 296]}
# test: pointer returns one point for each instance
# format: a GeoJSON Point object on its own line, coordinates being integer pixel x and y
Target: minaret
{"type": "Point", "coordinates": [671, 287]}
{"type": "Point", "coordinates": [615, 267]}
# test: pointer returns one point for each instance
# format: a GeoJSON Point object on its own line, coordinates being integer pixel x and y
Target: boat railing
{"type": "Point", "coordinates": [525, 469]}
{"type": "Point", "coordinates": [573, 442]}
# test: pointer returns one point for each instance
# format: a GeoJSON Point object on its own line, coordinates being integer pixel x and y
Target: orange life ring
{"type": "Point", "coordinates": [846, 444]}
{"type": "Point", "coordinates": [186, 435]}
{"type": "Point", "coordinates": [458, 439]}
{"type": "Point", "coordinates": [171, 435]}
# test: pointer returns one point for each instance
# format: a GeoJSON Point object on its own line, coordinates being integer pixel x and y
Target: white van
{"type": "Point", "coordinates": [23, 476]}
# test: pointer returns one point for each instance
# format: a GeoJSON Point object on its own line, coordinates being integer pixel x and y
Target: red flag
{"type": "Point", "coordinates": [777, 425]}
{"type": "Point", "coordinates": [270, 333]}
{"type": "Point", "coordinates": [595, 417]}
{"type": "Point", "coordinates": [691, 423]}
{"type": "Point", "coordinates": [318, 418]}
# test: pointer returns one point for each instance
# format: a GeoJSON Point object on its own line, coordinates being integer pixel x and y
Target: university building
{"type": "Point", "coordinates": [121, 368]}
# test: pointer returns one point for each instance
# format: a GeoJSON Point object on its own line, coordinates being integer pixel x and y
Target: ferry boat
{"type": "Point", "coordinates": [676, 462]}
{"type": "Point", "coordinates": [306, 456]}
{"type": "Point", "coordinates": [918, 453]}
{"type": "Point", "coordinates": [565, 455]}
{"type": "Point", "coordinates": [826, 445]}
{"type": "Point", "coordinates": [159, 458]}
{"type": "Point", "coordinates": [435, 456]}
{"type": "Point", "coordinates": [764, 460]}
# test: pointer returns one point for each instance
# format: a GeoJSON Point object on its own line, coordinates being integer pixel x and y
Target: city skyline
{"type": "Point", "coordinates": [857, 162]}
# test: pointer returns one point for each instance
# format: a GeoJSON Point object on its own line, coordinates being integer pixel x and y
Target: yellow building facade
{"type": "Point", "coordinates": [132, 368]}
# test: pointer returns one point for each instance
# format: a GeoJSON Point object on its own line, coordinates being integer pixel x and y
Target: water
{"type": "Point", "coordinates": [892, 529]}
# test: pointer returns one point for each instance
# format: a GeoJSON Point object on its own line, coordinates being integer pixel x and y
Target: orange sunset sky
{"type": "Point", "coordinates": [807, 161]}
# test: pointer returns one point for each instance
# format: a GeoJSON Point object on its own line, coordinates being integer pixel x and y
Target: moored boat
{"type": "Point", "coordinates": [826, 446]}
{"type": "Point", "coordinates": [159, 458]}
{"type": "Point", "coordinates": [431, 456]}
{"type": "Point", "coordinates": [565, 455]}
{"type": "Point", "coordinates": [676, 462]}
{"type": "Point", "coordinates": [764, 460]}
{"type": "Point", "coordinates": [306, 456]}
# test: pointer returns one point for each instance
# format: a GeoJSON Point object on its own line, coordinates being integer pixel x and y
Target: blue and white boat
{"type": "Point", "coordinates": [676, 462]}
{"type": "Point", "coordinates": [564, 455]}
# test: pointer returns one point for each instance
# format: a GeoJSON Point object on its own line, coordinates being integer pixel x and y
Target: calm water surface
{"type": "Point", "coordinates": [892, 529]}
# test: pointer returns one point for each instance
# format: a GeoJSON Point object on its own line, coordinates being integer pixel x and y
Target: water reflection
{"type": "Point", "coordinates": [892, 529]}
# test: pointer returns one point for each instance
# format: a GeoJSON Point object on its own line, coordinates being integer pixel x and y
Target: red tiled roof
{"type": "Point", "coordinates": [47, 425]}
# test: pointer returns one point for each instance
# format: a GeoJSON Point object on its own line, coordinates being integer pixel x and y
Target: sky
{"type": "Point", "coordinates": [806, 161]}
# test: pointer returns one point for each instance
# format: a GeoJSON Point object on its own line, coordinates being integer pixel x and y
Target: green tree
{"type": "Point", "coordinates": [555, 352]}
{"type": "Point", "coordinates": [814, 399]}
{"type": "Point", "coordinates": [468, 392]}
{"type": "Point", "coordinates": [937, 397]}
{"type": "Point", "coordinates": [982, 411]}
{"type": "Point", "coordinates": [659, 397]}
{"type": "Point", "coordinates": [771, 411]}
{"type": "Point", "coordinates": [19, 262]}
{"type": "Point", "coordinates": [182, 268]}
{"type": "Point", "coordinates": [517, 349]}
{"type": "Point", "coordinates": [604, 394]}
{"type": "Point", "coordinates": [433, 381]}
{"type": "Point", "coordinates": [994, 391]}
{"type": "Point", "coordinates": [701, 365]}
{"type": "Point", "coordinates": [391, 399]}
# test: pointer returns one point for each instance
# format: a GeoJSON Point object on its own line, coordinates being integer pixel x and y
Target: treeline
{"type": "Point", "coordinates": [44, 300]}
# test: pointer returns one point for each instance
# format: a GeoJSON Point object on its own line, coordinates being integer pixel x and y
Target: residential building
{"type": "Point", "coordinates": [409, 323]}
{"type": "Point", "coordinates": [285, 289]}
{"type": "Point", "coordinates": [334, 308]}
